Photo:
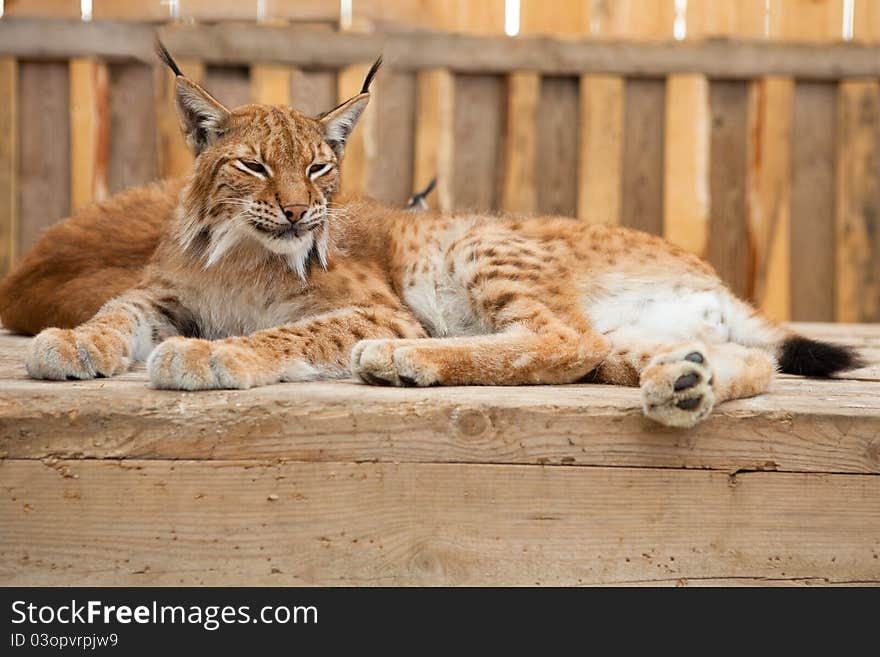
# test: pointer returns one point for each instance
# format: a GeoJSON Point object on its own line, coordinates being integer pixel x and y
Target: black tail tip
{"type": "Point", "coordinates": [806, 357]}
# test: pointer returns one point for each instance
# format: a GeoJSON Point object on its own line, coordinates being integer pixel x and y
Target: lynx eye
{"type": "Point", "coordinates": [317, 169]}
{"type": "Point", "coordinates": [256, 167]}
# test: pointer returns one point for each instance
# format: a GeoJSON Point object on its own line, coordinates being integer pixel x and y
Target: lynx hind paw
{"type": "Point", "coordinates": [64, 354]}
{"type": "Point", "coordinates": [677, 387]}
{"type": "Point", "coordinates": [391, 363]}
{"type": "Point", "coordinates": [191, 364]}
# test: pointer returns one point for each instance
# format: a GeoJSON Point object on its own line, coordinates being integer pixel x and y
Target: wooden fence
{"type": "Point", "coordinates": [711, 123]}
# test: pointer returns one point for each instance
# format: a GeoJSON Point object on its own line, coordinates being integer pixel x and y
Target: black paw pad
{"type": "Point", "coordinates": [689, 404]}
{"type": "Point", "coordinates": [407, 381]}
{"type": "Point", "coordinates": [686, 381]}
{"type": "Point", "coordinates": [374, 380]}
{"type": "Point", "coordinates": [694, 357]}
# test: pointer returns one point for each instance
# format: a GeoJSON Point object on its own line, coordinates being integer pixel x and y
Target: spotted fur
{"type": "Point", "coordinates": [262, 275]}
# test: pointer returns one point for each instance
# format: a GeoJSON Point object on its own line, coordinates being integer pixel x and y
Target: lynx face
{"type": "Point", "coordinates": [263, 178]}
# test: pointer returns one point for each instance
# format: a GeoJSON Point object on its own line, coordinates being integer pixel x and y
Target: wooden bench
{"type": "Point", "coordinates": [111, 482]}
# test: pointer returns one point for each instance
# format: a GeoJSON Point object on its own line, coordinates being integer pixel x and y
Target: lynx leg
{"type": "Point", "coordinates": [120, 334]}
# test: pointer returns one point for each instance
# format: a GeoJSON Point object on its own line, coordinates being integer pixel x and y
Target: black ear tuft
{"type": "Point", "coordinates": [166, 58]}
{"type": "Point", "coordinates": [371, 74]}
{"type": "Point", "coordinates": [417, 201]}
{"type": "Point", "coordinates": [807, 357]}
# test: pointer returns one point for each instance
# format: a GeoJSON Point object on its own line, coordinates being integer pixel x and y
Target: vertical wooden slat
{"type": "Point", "coordinates": [8, 162]}
{"type": "Point", "coordinates": [174, 156]}
{"type": "Point", "coordinates": [434, 134]}
{"type": "Point", "coordinates": [857, 297]}
{"type": "Point", "coordinates": [708, 19]}
{"type": "Point", "coordinates": [806, 20]}
{"type": "Point", "coordinates": [229, 84]}
{"type": "Point", "coordinates": [866, 21]}
{"type": "Point", "coordinates": [354, 167]}
{"type": "Point", "coordinates": [519, 191]}
{"type": "Point", "coordinates": [389, 148]}
{"type": "Point", "coordinates": [600, 157]}
{"type": "Point", "coordinates": [812, 202]}
{"type": "Point", "coordinates": [133, 156]}
{"type": "Point", "coordinates": [768, 181]}
{"type": "Point", "coordinates": [557, 156]}
{"type": "Point", "coordinates": [312, 92]}
{"type": "Point", "coordinates": [89, 131]}
{"type": "Point", "coordinates": [44, 148]}
{"type": "Point", "coordinates": [728, 235]}
{"type": "Point", "coordinates": [642, 195]}
{"type": "Point", "coordinates": [686, 159]}
{"type": "Point", "coordinates": [270, 84]}
{"type": "Point", "coordinates": [478, 123]}
{"type": "Point", "coordinates": [566, 18]}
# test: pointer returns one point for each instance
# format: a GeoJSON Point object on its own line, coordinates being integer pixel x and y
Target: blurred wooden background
{"type": "Point", "coordinates": [658, 114]}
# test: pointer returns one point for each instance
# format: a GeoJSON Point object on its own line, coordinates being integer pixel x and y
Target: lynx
{"type": "Point", "coordinates": [258, 272]}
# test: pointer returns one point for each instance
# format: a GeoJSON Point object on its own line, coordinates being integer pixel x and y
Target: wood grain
{"type": "Point", "coordinates": [8, 162]}
{"type": "Point", "coordinates": [644, 118]}
{"type": "Point", "coordinates": [478, 120]}
{"type": "Point", "coordinates": [769, 193]}
{"type": "Point", "coordinates": [390, 147]}
{"type": "Point", "coordinates": [686, 163]}
{"type": "Point", "coordinates": [600, 160]}
{"type": "Point", "coordinates": [313, 92]}
{"type": "Point", "coordinates": [813, 201]}
{"type": "Point", "coordinates": [259, 523]}
{"type": "Point", "coordinates": [857, 290]}
{"type": "Point", "coordinates": [355, 168]}
{"type": "Point", "coordinates": [434, 134]}
{"type": "Point", "coordinates": [89, 131]}
{"type": "Point", "coordinates": [134, 150]}
{"type": "Point", "coordinates": [519, 188]}
{"type": "Point", "coordinates": [556, 167]}
{"type": "Point", "coordinates": [729, 247]}
{"type": "Point", "coordinates": [270, 84]}
{"type": "Point", "coordinates": [241, 44]}
{"type": "Point", "coordinates": [44, 148]}
{"type": "Point", "coordinates": [229, 84]}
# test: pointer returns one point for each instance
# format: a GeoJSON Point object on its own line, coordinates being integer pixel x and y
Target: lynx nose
{"type": "Point", "coordinates": [295, 212]}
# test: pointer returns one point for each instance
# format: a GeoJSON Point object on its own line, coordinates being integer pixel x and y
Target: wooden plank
{"type": "Point", "coordinates": [814, 21]}
{"type": "Point", "coordinates": [519, 189]}
{"type": "Point", "coordinates": [175, 158]}
{"type": "Point", "coordinates": [729, 249]}
{"type": "Point", "coordinates": [686, 163]}
{"type": "Point", "coordinates": [707, 19]}
{"type": "Point", "coordinates": [478, 121]}
{"type": "Point", "coordinates": [556, 175]}
{"type": "Point", "coordinates": [569, 18]}
{"type": "Point", "coordinates": [857, 291]}
{"type": "Point", "coordinates": [259, 523]}
{"type": "Point", "coordinates": [633, 19]}
{"type": "Point", "coordinates": [313, 92]}
{"type": "Point", "coordinates": [644, 118]}
{"type": "Point", "coordinates": [390, 149]}
{"type": "Point", "coordinates": [44, 142]}
{"type": "Point", "coordinates": [801, 425]}
{"type": "Point", "coordinates": [48, 8]}
{"type": "Point", "coordinates": [154, 10]}
{"type": "Point", "coordinates": [812, 202]}
{"type": "Point", "coordinates": [229, 84]}
{"type": "Point", "coordinates": [241, 44]}
{"type": "Point", "coordinates": [601, 149]}
{"type": "Point", "coordinates": [769, 178]}
{"type": "Point", "coordinates": [89, 131]}
{"type": "Point", "coordinates": [270, 84]}
{"type": "Point", "coordinates": [8, 162]}
{"type": "Point", "coordinates": [866, 21]}
{"type": "Point", "coordinates": [133, 157]}
{"type": "Point", "coordinates": [434, 134]}
{"type": "Point", "coordinates": [355, 166]}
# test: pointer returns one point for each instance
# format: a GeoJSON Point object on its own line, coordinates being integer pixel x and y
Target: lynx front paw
{"type": "Point", "coordinates": [190, 364]}
{"type": "Point", "coordinates": [677, 387]}
{"type": "Point", "coordinates": [392, 362]}
{"type": "Point", "coordinates": [64, 354]}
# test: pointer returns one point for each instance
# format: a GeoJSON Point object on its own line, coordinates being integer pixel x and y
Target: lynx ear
{"type": "Point", "coordinates": [202, 117]}
{"type": "Point", "coordinates": [341, 120]}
